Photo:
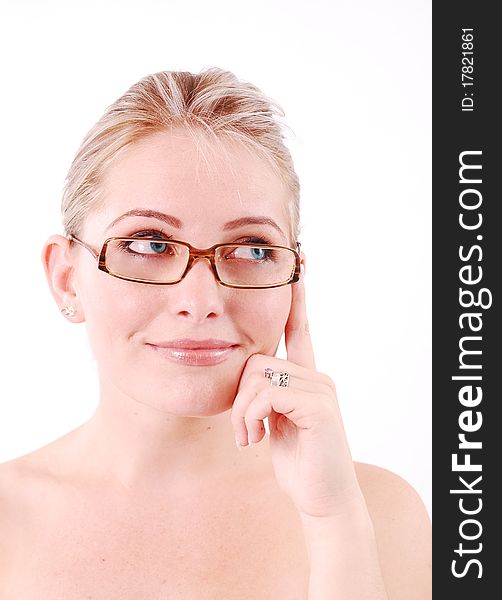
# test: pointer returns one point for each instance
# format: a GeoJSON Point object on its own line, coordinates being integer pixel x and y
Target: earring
{"type": "Point", "coordinates": [68, 311]}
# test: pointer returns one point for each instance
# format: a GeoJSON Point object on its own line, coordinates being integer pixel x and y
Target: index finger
{"type": "Point", "coordinates": [297, 334]}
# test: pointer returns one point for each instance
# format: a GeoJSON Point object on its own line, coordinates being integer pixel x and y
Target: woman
{"type": "Point", "coordinates": [181, 255]}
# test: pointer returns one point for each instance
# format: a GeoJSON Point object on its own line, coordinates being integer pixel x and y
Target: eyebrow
{"type": "Point", "coordinates": [153, 214]}
{"type": "Point", "coordinates": [253, 221]}
{"type": "Point", "coordinates": [175, 222]}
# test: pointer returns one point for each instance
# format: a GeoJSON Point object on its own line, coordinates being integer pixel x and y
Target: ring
{"type": "Point", "coordinates": [268, 373]}
{"type": "Point", "coordinates": [280, 379]}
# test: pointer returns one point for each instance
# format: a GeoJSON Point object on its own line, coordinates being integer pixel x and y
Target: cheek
{"type": "Point", "coordinates": [266, 315]}
{"type": "Point", "coordinates": [114, 311]}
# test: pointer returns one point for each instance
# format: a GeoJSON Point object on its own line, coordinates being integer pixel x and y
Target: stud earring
{"type": "Point", "coordinates": [68, 311]}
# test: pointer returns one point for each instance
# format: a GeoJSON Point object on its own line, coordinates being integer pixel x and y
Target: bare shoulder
{"type": "Point", "coordinates": [24, 488]}
{"type": "Point", "coordinates": [41, 466]}
{"type": "Point", "coordinates": [11, 505]}
{"type": "Point", "coordinates": [22, 468]}
{"type": "Point", "coordinates": [394, 505]}
{"type": "Point", "coordinates": [381, 487]}
{"type": "Point", "coordinates": [403, 531]}
{"type": "Point", "coordinates": [22, 480]}
{"type": "Point", "coordinates": [11, 475]}
{"type": "Point", "coordinates": [17, 477]}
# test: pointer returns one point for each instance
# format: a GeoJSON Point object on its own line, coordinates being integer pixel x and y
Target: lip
{"type": "Point", "coordinates": [195, 352]}
{"type": "Point", "coordinates": [207, 344]}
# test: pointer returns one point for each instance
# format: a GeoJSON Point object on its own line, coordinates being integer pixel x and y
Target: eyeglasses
{"type": "Point", "coordinates": [159, 261]}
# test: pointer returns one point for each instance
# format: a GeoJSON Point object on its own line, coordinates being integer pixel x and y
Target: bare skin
{"type": "Point", "coordinates": [231, 535]}
{"type": "Point", "coordinates": [151, 498]}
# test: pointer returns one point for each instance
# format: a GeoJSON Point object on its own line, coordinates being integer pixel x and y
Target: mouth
{"type": "Point", "coordinates": [195, 352]}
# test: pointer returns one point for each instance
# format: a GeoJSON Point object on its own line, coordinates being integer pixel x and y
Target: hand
{"type": "Point", "coordinates": [309, 450]}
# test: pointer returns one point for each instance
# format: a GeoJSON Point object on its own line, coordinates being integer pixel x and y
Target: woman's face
{"type": "Point", "coordinates": [127, 321]}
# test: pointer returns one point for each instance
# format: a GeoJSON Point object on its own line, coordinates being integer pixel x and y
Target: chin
{"type": "Point", "coordinates": [189, 395]}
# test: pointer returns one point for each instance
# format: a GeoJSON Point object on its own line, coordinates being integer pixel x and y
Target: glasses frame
{"type": "Point", "coordinates": [194, 253]}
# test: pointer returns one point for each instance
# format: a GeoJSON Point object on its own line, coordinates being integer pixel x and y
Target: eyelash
{"type": "Point", "coordinates": [151, 233]}
{"type": "Point", "coordinates": [163, 235]}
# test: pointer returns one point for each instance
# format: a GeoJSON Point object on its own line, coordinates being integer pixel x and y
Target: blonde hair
{"type": "Point", "coordinates": [213, 101]}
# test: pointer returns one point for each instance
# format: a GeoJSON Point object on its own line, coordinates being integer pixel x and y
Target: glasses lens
{"type": "Point", "coordinates": [260, 266]}
{"type": "Point", "coordinates": [147, 259]}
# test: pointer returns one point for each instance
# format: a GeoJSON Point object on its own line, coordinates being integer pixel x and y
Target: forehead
{"type": "Point", "coordinates": [203, 183]}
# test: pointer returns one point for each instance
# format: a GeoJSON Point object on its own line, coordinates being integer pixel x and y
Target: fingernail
{"type": "Point", "coordinates": [238, 444]}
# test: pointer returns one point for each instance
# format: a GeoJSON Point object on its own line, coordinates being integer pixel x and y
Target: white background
{"type": "Point", "coordinates": [354, 79]}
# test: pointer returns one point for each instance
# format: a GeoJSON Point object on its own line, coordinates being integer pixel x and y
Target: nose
{"type": "Point", "coordinates": [198, 296]}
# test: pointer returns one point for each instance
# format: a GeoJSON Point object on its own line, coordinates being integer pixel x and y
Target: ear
{"type": "Point", "coordinates": [59, 270]}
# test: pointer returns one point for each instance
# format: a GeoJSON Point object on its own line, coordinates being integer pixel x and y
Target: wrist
{"type": "Point", "coordinates": [351, 519]}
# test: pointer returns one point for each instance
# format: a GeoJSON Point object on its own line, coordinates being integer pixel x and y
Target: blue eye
{"type": "Point", "coordinates": [145, 247]}
{"type": "Point", "coordinates": [158, 247]}
{"type": "Point", "coordinates": [258, 253]}
{"type": "Point", "coordinates": [249, 254]}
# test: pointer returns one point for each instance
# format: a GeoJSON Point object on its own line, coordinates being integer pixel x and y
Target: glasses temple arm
{"type": "Point", "coordinates": [73, 238]}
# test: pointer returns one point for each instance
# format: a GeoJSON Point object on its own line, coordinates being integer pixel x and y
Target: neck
{"type": "Point", "coordinates": [138, 447]}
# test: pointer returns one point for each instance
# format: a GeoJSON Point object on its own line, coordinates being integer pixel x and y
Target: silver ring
{"type": "Point", "coordinates": [268, 373]}
{"type": "Point", "coordinates": [280, 379]}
